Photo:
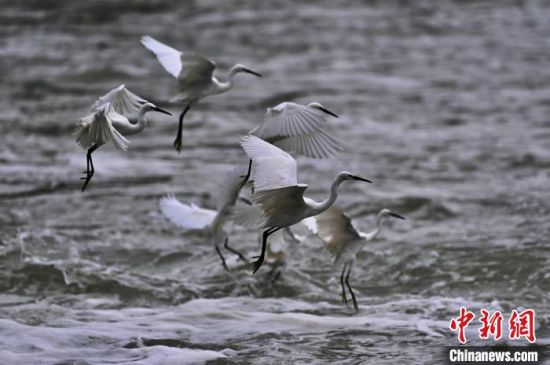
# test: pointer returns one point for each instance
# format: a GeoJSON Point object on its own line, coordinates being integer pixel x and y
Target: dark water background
{"type": "Point", "coordinates": [445, 105]}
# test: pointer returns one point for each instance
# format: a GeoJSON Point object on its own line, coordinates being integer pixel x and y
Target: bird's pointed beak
{"type": "Point", "coordinates": [360, 178]}
{"type": "Point", "coordinates": [252, 72]}
{"type": "Point", "coordinates": [395, 215]}
{"type": "Point", "coordinates": [161, 111]}
{"type": "Point", "coordinates": [328, 112]}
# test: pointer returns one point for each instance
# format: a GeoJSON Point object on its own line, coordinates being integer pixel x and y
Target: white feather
{"type": "Point", "coordinates": [168, 57]}
{"type": "Point", "coordinates": [184, 215]}
{"type": "Point", "coordinates": [272, 168]}
{"type": "Point", "coordinates": [97, 128]}
{"type": "Point", "coordinates": [298, 128]}
{"type": "Point", "coordinates": [123, 101]}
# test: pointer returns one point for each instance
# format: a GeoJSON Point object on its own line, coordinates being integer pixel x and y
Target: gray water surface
{"type": "Point", "coordinates": [444, 105]}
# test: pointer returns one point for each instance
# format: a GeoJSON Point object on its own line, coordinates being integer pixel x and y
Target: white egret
{"type": "Point", "coordinates": [280, 248]}
{"type": "Point", "coordinates": [298, 128]}
{"type": "Point", "coordinates": [108, 123]}
{"type": "Point", "coordinates": [194, 74]}
{"type": "Point", "coordinates": [343, 241]}
{"type": "Point", "coordinates": [210, 222]}
{"type": "Point", "coordinates": [278, 198]}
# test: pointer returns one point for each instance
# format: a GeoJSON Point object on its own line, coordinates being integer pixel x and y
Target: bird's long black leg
{"type": "Point", "coordinates": [177, 141]}
{"type": "Point", "coordinates": [255, 266]}
{"type": "Point", "coordinates": [344, 298]}
{"type": "Point", "coordinates": [350, 290]}
{"type": "Point", "coordinates": [247, 176]}
{"type": "Point", "coordinates": [89, 166]}
{"type": "Point", "coordinates": [222, 258]}
{"type": "Point", "coordinates": [234, 251]}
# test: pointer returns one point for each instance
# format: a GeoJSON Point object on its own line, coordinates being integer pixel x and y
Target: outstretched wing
{"type": "Point", "coordinates": [190, 69]}
{"type": "Point", "coordinates": [196, 70]}
{"type": "Point", "coordinates": [298, 128]}
{"type": "Point", "coordinates": [230, 187]}
{"type": "Point", "coordinates": [122, 100]}
{"type": "Point", "coordinates": [184, 215]}
{"type": "Point", "coordinates": [272, 168]}
{"type": "Point", "coordinates": [168, 57]}
{"type": "Point", "coordinates": [281, 204]}
{"type": "Point", "coordinates": [334, 228]}
{"type": "Point", "coordinates": [97, 128]}
{"type": "Point", "coordinates": [318, 144]}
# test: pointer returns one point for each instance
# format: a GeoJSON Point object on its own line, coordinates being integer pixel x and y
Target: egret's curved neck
{"type": "Point", "coordinates": [134, 128]}
{"type": "Point", "coordinates": [223, 86]}
{"type": "Point", "coordinates": [317, 208]}
{"type": "Point", "coordinates": [375, 232]}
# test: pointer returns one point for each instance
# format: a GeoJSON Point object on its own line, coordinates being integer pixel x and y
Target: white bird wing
{"type": "Point", "coordinates": [281, 204]}
{"type": "Point", "coordinates": [318, 144]}
{"type": "Point", "coordinates": [272, 168]}
{"type": "Point", "coordinates": [196, 71]}
{"type": "Point", "coordinates": [168, 57]}
{"type": "Point", "coordinates": [184, 215]}
{"type": "Point", "coordinates": [97, 128]}
{"type": "Point", "coordinates": [230, 187]}
{"type": "Point", "coordinates": [289, 119]}
{"type": "Point", "coordinates": [191, 70]}
{"type": "Point", "coordinates": [334, 228]}
{"type": "Point", "coordinates": [123, 101]}
{"type": "Point", "coordinates": [298, 128]}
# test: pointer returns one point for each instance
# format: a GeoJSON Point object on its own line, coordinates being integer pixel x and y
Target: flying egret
{"type": "Point", "coordinates": [278, 198]}
{"type": "Point", "coordinates": [109, 122]}
{"type": "Point", "coordinates": [194, 75]}
{"type": "Point", "coordinates": [298, 128]}
{"type": "Point", "coordinates": [343, 241]}
{"type": "Point", "coordinates": [208, 221]}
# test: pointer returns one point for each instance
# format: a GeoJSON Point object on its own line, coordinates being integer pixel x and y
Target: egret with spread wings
{"type": "Point", "coordinates": [209, 221]}
{"type": "Point", "coordinates": [194, 74]}
{"type": "Point", "coordinates": [343, 241]}
{"type": "Point", "coordinates": [109, 122]}
{"type": "Point", "coordinates": [278, 198]}
{"type": "Point", "coordinates": [300, 129]}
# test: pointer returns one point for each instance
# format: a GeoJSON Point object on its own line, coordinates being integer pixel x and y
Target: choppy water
{"type": "Point", "coordinates": [445, 105]}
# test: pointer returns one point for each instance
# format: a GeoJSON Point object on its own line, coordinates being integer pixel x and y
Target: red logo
{"type": "Point", "coordinates": [519, 325]}
{"type": "Point", "coordinates": [522, 325]}
{"type": "Point", "coordinates": [461, 323]}
{"type": "Point", "coordinates": [491, 325]}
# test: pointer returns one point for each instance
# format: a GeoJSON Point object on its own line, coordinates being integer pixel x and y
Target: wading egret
{"type": "Point", "coordinates": [280, 248]}
{"type": "Point", "coordinates": [106, 123]}
{"type": "Point", "coordinates": [194, 75]}
{"type": "Point", "coordinates": [210, 222]}
{"type": "Point", "coordinates": [299, 128]}
{"type": "Point", "coordinates": [343, 241]}
{"type": "Point", "coordinates": [278, 198]}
